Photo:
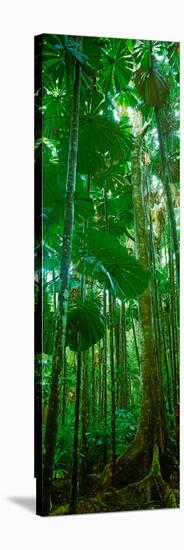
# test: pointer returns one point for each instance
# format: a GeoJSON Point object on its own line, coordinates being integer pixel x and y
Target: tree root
{"type": "Point", "coordinates": [151, 492]}
{"type": "Point", "coordinates": [130, 467]}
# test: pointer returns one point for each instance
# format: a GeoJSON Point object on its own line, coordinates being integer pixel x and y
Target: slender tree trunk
{"type": "Point", "coordinates": [111, 345]}
{"type": "Point", "coordinates": [93, 389]}
{"type": "Point", "coordinates": [85, 419]}
{"type": "Point", "coordinates": [167, 321]}
{"type": "Point", "coordinates": [113, 405]}
{"type": "Point", "coordinates": [170, 345]}
{"type": "Point", "coordinates": [64, 388]}
{"type": "Point", "coordinates": [104, 381]}
{"type": "Point", "coordinates": [100, 404]}
{"type": "Point", "coordinates": [123, 381]}
{"type": "Point", "coordinates": [74, 490]}
{"type": "Point", "coordinates": [173, 328]}
{"type": "Point", "coordinates": [168, 382]}
{"type": "Point", "coordinates": [60, 333]}
{"type": "Point", "coordinates": [117, 357]}
{"type": "Point", "coordinates": [54, 291]}
{"type": "Point", "coordinates": [136, 345]}
{"type": "Point", "coordinates": [85, 397]}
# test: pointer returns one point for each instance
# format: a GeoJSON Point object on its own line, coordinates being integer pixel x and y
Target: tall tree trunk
{"type": "Point", "coordinates": [174, 328]}
{"type": "Point", "coordinates": [54, 291]}
{"type": "Point", "coordinates": [111, 345]}
{"type": "Point", "coordinates": [123, 382]}
{"type": "Point", "coordinates": [85, 355]}
{"type": "Point", "coordinates": [100, 350]}
{"type": "Point", "coordinates": [152, 263]}
{"type": "Point", "coordinates": [85, 419]}
{"type": "Point", "coordinates": [82, 374]}
{"type": "Point", "coordinates": [61, 322]}
{"type": "Point", "coordinates": [93, 388]}
{"type": "Point", "coordinates": [136, 461]}
{"type": "Point", "coordinates": [113, 405]}
{"type": "Point", "coordinates": [117, 357]}
{"type": "Point", "coordinates": [104, 377]}
{"type": "Point", "coordinates": [74, 490]}
{"type": "Point", "coordinates": [64, 388]}
{"type": "Point", "coordinates": [166, 183]}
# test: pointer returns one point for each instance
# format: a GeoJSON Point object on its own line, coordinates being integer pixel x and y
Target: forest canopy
{"type": "Point", "coordinates": [107, 273]}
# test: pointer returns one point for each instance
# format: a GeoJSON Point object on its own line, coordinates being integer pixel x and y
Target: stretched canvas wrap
{"type": "Point", "coordinates": [106, 274]}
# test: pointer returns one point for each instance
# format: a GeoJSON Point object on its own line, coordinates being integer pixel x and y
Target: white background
{"type": "Point", "coordinates": [20, 21]}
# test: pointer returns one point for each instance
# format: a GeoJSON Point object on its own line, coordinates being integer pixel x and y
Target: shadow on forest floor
{"type": "Point", "coordinates": [29, 503]}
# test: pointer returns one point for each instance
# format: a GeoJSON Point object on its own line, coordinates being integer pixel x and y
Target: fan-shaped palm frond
{"type": "Point", "coordinates": [152, 85]}
{"type": "Point", "coordinates": [120, 210]}
{"type": "Point", "coordinates": [54, 105]}
{"type": "Point", "coordinates": [107, 261]}
{"type": "Point", "coordinates": [127, 98]}
{"type": "Point", "coordinates": [117, 66]}
{"type": "Point", "coordinates": [47, 150]}
{"type": "Point", "coordinates": [85, 324]}
{"type": "Point", "coordinates": [143, 51]}
{"type": "Point", "coordinates": [113, 176]}
{"type": "Point", "coordinates": [97, 136]}
{"type": "Point", "coordinates": [54, 196]}
{"type": "Point", "coordinates": [60, 52]}
{"type": "Point", "coordinates": [149, 78]}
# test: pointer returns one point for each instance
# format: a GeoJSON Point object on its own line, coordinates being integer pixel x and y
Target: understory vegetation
{"type": "Point", "coordinates": [107, 273]}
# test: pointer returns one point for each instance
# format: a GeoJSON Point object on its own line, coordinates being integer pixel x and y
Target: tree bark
{"type": "Point", "coordinates": [136, 461]}
{"type": "Point", "coordinates": [61, 322]}
{"type": "Point", "coordinates": [136, 345]}
{"type": "Point", "coordinates": [166, 183]}
{"type": "Point", "coordinates": [111, 349]}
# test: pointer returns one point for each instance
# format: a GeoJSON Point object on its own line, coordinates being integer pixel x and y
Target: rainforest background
{"type": "Point", "coordinates": [107, 274]}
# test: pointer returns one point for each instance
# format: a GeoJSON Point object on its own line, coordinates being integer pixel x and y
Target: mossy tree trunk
{"type": "Point", "coordinates": [166, 184]}
{"type": "Point", "coordinates": [136, 461]}
{"type": "Point", "coordinates": [136, 344]}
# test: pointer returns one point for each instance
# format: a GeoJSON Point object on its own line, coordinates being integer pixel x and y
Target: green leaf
{"type": "Point", "coordinates": [85, 324]}
{"type": "Point", "coordinates": [63, 49]}
{"type": "Point", "coordinates": [92, 50]}
{"type": "Point", "coordinates": [117, 66]}
{"type": "Point", "coordinates": [114, 176]}
{"type": "Point", "coordinates": [109, 262]}
{"type": "Point", "coordinates": [54, 195]}
{"type": "Point", "coordinates": [46, 257]}
{"type": "Point", "coordinates": [98, 135]}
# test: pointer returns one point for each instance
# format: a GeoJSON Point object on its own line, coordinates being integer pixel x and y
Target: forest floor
{"type": "Point", "coordinates": [148, 494]}
{"type": "Point", "coordinates": [114, 501]}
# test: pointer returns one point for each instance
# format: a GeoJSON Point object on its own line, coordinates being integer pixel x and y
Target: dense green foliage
{"type": "Point", "coordinates": [124, 84]}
